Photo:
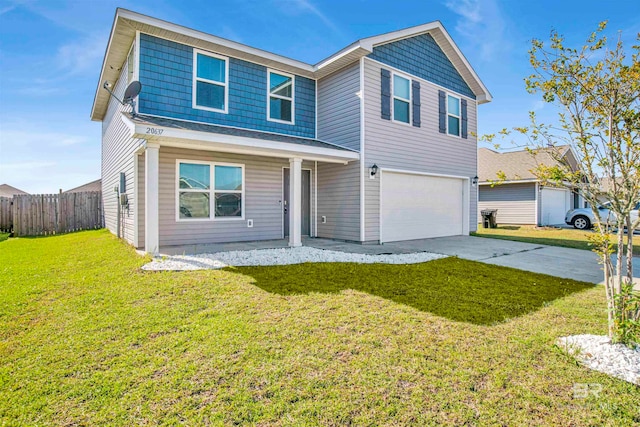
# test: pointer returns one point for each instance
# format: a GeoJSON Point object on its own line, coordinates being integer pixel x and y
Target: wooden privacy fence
{"type": "Point", "coordinates": [6, 219]}
{"type": "Point", "coordinates": [45, 214]}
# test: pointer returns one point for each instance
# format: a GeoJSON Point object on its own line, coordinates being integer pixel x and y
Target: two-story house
{"type": "Point", "coordinates": [227, 142]}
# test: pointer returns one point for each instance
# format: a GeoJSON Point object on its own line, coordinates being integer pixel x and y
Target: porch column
{"type": "Point", "coordinates": [151, 223]}
{"type": "Point", "coordinates": [295, 202]}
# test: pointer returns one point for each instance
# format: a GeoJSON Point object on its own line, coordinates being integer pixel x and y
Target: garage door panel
{"type": "Point", "coordinates": [555, 204]}
{"type": "Point", "coordinates": [418, 207]}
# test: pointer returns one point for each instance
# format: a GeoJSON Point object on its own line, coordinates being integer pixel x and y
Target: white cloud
{"type": "Point", "coordinates": [538, 105]}
{"type": "Point", "coordinates": [80, 56]}
{"type": "Point", "coordinates": [21, 138]}
{"type": "Point", "coordinates": [307, 6]}
{"type": "Point", "coordinates": [26, 166]}
{"type": "Point", "coordinates": [482, 25]}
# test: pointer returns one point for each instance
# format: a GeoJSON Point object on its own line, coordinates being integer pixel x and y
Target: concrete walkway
{"type": "Point", "coordinates": [556, 261]}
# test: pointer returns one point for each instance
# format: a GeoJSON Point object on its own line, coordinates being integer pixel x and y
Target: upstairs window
{"type": "Point", "coordinates": [210, 82]}
{"type": "Point", "coordinates": [453, 115]}
{"type": "Point", "coordinates": [281, 90]}
{"type": "Point", "coordinates": [401, 99]}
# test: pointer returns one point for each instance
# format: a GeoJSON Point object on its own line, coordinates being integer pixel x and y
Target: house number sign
{"type": "Point", "coordinates": [154, 131]}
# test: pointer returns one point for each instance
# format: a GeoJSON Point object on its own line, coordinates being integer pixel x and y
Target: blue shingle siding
{"type": "Point", "coordinates": [166, 74]}
{"type": "Point", "coordinates": [422, 57]}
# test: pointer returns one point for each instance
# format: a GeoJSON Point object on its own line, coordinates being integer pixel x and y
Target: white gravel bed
{"type": "Point", "coordinates": [283, 256]}
{"type": "Point", "coordinates": [596, 352]}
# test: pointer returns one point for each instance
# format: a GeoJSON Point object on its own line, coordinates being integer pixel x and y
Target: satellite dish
{"type": "Point", "coordinates": [131, 92]}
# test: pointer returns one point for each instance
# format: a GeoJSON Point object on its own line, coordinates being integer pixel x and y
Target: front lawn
{"type": "Point", "coordinates": [87, 338]}
{"type": "Point", "coordinates": [566, 237]}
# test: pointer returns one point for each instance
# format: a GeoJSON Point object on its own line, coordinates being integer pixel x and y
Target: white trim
{"type": "Point", "coordinates": [136, 75]}
{"type": "Point", "coordinates": [195, 79]}
{"type": "Point", "coordinates": [420, 79]}
{"type": "Point", "coordinates": [158, 23]}
{"type": "Point", "coordinates": [310, 193]}
{"type": "Point", "coordinates": [435, 26]}
{"type": "Point", "coordinates": [235, 144]}
{"type": "Point", "coordinates": [393, 98]}
{"type": "Point", "coordinates": [247, 129]}
{"type": "Point", "coordinates": [466, 197]}
{"type": "Point", "coordinates": [152, 198]}
{"type": "Point", "coordinates": [513, 181]}
{"type": "Point", "coordinates": [411, 172]}
{"type": "Point", "coordinates": [292, 98]}
{"type": "Point", "coordinates": [537, 203]}
{"type": "Point", "coordinates": [363, 158]}
{"type": "Point", "coordinates": [136, 200]}
{"type": "Point", "coordinates": [459, 117]}
{"type": "Point", "coordinates": [212, 191]}
{"type": "Point", "coordinates": [131, 54]}
{"type": "Point", "coordinates": [315, 200]}
{"type": "Point", "coordinates": [295, 202]}
{"type": "Point", "coordinates": [267, 58]}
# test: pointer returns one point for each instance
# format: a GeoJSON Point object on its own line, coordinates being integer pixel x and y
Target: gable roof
{"type": "Point", "coordinates": [89, 186]}
{"type": "Point", "coordinates": [127, 23]}
{"type": "Point", "coordinates": [8, 191]}
{"type": "Point", "coordinates": [517, 165]}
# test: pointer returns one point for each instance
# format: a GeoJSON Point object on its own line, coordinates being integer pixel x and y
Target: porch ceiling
{"type": "Point", "coordinates": [198, 136]}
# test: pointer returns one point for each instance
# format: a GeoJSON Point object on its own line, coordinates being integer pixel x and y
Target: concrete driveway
{"type": "Point", "coordinates": [568, 263]}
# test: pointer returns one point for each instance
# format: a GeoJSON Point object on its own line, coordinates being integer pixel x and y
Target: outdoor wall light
{"type": "Point", "coordinates": [474, 180]}
{"type": "Point", "coordinates": [373, 170]}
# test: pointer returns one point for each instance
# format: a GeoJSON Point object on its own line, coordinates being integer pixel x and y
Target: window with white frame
{"type": "Point", "coordinates": [401, 99]}
{"type": "Point", "coordinates": [210, 190]}
{"type": "Point", "coordinates": [281, 90]}
{"type": "Point", "coordinates": [453, 115]}
{"type": "Point", "coordinates": [210, 81]}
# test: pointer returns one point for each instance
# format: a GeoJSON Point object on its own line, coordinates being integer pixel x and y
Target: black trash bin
{"type": "Point", "coordinates": [489, 218]}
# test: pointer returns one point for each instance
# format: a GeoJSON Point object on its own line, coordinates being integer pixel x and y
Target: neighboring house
{"type": "Point", "coordinates": [233, 143]}
{"type": "Point", "coordinates": [508, 184]}
{"type": "Point", "coordinates": [90, 186]}
{"type": "Point", "coordinates": [8, 191]}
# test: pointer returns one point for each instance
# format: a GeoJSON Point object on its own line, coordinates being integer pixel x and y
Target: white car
{"type": "Point", "coordinates": [583, 219]}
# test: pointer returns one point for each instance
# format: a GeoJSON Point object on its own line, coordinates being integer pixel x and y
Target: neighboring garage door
{"type": "Point", "coordinates": [555, 204]}
{"type": "Point", "coordinates": [419, 206]}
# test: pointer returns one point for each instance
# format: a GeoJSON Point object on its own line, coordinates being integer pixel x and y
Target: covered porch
{"type": "Point", "coordinates": [202, 185]}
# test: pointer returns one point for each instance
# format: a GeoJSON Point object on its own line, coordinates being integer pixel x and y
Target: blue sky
{"type": "Point", "coordinates": [51, 53]}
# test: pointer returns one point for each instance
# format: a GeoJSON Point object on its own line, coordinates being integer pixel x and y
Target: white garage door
{"type": "Point", "coordinates": [555, 204]}
{"type": "Point", "coordinates": [419, 207]}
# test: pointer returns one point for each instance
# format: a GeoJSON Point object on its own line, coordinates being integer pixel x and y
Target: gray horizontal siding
{"type": "Point", "coordinates": [263, 196]}
{"type": "Point", "coordinates": [422, 149]}
{"type": "Point", "coordinates": [339, 107]}
{"type": "Point", "coordinates": [339, 201]}
{"type": "Point", "coordinates": [516, 203]}
{"type": "Point", "coordinates": [118, 150]}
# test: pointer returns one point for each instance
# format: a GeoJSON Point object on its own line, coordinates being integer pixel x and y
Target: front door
{"type": "Point", "coordinates": [306, 202]}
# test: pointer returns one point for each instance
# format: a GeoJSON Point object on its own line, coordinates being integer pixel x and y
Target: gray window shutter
{"type": "Point", "coordinates": [386, 93]}
{"type": "Point", "coordinates": [442, 109]}
{"type": "Point", "coordinates": [463, 113]}
{"type": "Point", "coordinates": [415, 100]}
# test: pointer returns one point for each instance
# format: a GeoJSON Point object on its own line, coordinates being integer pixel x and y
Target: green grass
{"type": "Point", "coordinates": [87, 338]}
{"type": "Point", "coordinates": [4, 236]}
{"type": "Point", "coordinates": [565, 237]}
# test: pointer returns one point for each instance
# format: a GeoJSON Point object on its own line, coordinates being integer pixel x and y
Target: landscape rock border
{"type": "Point", "coordinates": [596, 352]}
{"type": "Point", "coordinates": [281, 256]}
